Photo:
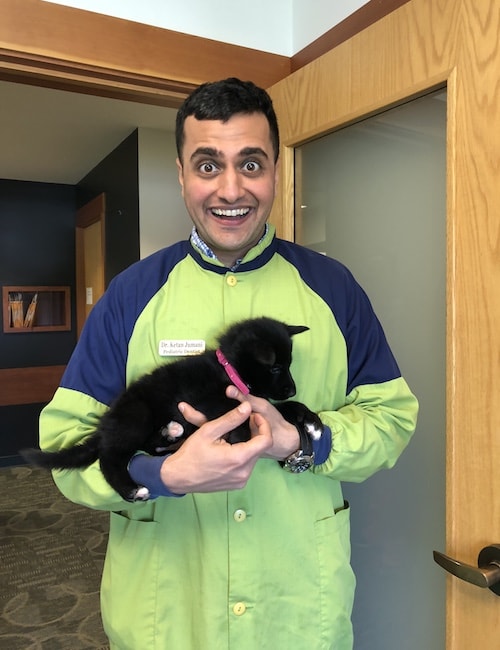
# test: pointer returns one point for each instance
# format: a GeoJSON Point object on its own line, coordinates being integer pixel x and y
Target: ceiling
{"type": "Point", "coordinates": [54, 136]}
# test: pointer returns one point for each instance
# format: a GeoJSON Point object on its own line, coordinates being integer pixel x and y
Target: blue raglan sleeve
{"type": "Point", "coordinates": [366, 405]}
{"type": "Point", "coordinates": [94, 376]}
{"type": "Point", "coordinates": [373, 426]}
{"type": "Point", "coordinates": [97, 373]}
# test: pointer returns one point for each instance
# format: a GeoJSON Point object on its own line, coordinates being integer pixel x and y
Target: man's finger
{"type": "Point", "coordinates": [233, 393]}
{"type": "Point", "coordinates": [216, 429]}
{"type": "Point", "coordinates": [191, 414]}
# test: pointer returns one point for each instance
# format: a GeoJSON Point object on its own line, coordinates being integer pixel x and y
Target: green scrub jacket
{"type": "Point", "coordinates": [267, 566]}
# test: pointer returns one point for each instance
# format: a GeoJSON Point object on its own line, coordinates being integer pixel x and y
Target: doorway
{"type": "Point", "coordinates": [90, 257]}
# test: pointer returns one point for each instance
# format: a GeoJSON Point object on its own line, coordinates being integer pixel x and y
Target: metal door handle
{"type": "Point", "coordinates": [487, 573]}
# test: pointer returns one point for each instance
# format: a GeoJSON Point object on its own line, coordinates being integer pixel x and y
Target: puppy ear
{"type": "Point", "coordinates": [296, 329]}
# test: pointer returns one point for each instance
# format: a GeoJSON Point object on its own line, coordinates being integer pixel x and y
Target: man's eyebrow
{"type": "Point", "coordinates": [205, 151]}
{"type": "Point", "coordinates": [252, 151]}
{"type": "Point", "coordinates": [214, 153]}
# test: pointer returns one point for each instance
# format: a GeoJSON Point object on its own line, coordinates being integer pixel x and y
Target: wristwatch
{"type": "Point", "coordinates": [302, 459]}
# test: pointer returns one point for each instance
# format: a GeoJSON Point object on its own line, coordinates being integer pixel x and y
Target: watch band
{"type": "Point", "coordinates": [302, 459]}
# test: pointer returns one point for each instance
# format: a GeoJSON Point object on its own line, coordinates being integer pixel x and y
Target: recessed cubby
{"type": "Point", "coordinates": [36, 309]}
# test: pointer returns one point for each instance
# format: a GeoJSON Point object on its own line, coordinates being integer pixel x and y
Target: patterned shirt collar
{"type": "Point", "coordinates": [198, 243]}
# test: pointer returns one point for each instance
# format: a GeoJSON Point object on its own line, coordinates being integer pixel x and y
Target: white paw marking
{"type": "Point", "coordinates": [173, 430]}
{"type": "Point", "coordinates": [313, 431]}
{"type": "Point", "coordinates": [142, 494]}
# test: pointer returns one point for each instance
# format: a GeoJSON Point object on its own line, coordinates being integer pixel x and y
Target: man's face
{"type": "Point", "coordinates": [228, 178]}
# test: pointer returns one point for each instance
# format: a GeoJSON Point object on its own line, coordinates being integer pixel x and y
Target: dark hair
{"type": "Point", "coordinates": [220, 100]}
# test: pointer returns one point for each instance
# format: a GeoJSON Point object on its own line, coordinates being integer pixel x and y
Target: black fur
{"type": "Point", "coordinates": [261, 351]}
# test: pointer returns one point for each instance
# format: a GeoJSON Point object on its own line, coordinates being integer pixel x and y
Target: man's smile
{"type": "Point", "coordinates": [230, 214]}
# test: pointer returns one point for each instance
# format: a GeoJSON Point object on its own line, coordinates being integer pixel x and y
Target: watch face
{"type": "Point", "coordinates": [298, 462]}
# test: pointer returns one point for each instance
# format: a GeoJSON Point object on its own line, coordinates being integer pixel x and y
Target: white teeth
{"type": "Point", "coordinates": [241, 212]}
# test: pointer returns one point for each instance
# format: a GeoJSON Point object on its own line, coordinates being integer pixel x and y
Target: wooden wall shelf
{"type": "Point", "coordinates": [36, 309]}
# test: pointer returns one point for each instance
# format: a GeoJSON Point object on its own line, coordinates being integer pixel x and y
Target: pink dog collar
{"type": "Point", "coordinates": [232, 373]}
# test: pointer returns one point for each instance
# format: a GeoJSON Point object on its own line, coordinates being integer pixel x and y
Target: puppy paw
{"type": "Point", "coordinates": [141, 494]}
{"type": "Point", "coordinates": [314, 429]}
{"type": "Point", "coordinates": [172, 431]}
{"type": "Point", "coordinates": [299, 415]}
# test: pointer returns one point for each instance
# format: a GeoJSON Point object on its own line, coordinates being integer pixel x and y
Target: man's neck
{"type": "Point", "coordinates": [202, 246]}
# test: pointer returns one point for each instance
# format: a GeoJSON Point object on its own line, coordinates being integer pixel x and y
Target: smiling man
{"type": "Point", "coordinates": [228, 173]}
{"type": "Point", "coordinates": [234, 551]}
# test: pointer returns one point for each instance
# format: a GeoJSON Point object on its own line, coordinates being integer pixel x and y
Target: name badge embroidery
{"type": "Point", "coordinates": [181, 347]}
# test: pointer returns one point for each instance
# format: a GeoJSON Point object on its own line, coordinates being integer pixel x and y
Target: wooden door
{"type": "Point", "coordinates": [422, 46]}
{"type": "Point", "coordinates": [90, 257]}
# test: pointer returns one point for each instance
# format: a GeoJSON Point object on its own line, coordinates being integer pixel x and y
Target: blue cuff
{"type": "Point", "coordinates": [146, 470]}
{"type": "Point", "coordinates": [322, 447]}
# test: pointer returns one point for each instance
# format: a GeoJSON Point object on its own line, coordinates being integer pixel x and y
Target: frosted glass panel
{"type": "Point", "coordinates": [373, 195]}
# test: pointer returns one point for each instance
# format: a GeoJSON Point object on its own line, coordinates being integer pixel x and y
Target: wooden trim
{"type": "Point", "coordinates": [50, 72]}
{"type": "Point", "coordinates": [48, 44]}
{"type": "Point", "coordinates": [92, 212]}
{"type": "Point", "coordinates": [29, 385]}
{"type": "Point", "coordinates": [71, 49]}
{"type": "Point", "coordinates": [365, 16]}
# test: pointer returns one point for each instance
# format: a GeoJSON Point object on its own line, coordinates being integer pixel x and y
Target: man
{"type": "Point", "coordinates": [235, 551]}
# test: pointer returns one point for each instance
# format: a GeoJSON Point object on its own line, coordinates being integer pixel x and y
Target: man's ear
{"type": "Point", "coordinates": [180, 170]}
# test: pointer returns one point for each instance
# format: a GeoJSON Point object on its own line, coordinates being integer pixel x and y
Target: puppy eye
{"type": "Point", "coordinates": [276, 369]}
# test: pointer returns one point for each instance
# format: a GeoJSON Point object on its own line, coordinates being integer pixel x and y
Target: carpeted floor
{"type": "Point", "coordinates": [52, 553]}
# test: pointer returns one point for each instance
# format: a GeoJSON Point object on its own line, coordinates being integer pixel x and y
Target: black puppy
{"type": "Point", "coordinates": [254, 354]}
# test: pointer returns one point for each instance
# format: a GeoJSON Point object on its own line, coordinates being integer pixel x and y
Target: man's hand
{"type": "Point", "coordinates": [285, 437]}
{"type": "Point", "coordinates": [206, 462]}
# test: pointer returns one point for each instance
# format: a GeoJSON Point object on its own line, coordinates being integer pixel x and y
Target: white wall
{"type": "Point", "coordinates": [163, 217]}
{"type": "Point", "coordinates": [281, 26]}
{"type": "Point", "coordinates": [312, 18]}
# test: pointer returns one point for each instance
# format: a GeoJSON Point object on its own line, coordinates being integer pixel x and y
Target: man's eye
{"type": "Point", "coordinates": [207, 168]}
{"type": "Point", "coordinates": [251, 166]}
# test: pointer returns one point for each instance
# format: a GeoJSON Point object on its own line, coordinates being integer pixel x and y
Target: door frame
{"type": "Point", "coordinates": [62, 47]}
{"type": "Point", "coordinates": [92, 212]}
{"type": "Point", "coordinates": [422, 46]}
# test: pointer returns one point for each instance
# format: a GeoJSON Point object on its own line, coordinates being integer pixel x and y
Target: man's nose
{"type": "Point", "coordinates": [230, 186]}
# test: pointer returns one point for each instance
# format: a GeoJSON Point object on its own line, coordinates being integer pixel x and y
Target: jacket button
{"type": "Point", "coordinates": [239, 609]}
{"type": "Point", "coordinates": [231, 280]}
{"type": "Point", "coordinates": [239, 515]}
